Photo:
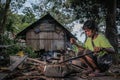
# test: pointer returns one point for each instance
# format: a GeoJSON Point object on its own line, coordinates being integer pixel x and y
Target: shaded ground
{"type": "Point", "coordinates": [32, 70]}
{"type": "Point", "coordinates": [93, 78]}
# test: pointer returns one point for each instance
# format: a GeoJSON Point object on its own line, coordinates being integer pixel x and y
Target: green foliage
{"type": "Point", "coordinates": [17, 23]}
{"type": "Point", "coordinates": [29, 17]}
{"type": "Point", "coordinates": [15, 47]}
{"type": "Point", "coordinates": [6, 40]}
{"type": "Point", "coordinates": [12, 50]}
{"type": "Point", "coordinates": [30, 52]}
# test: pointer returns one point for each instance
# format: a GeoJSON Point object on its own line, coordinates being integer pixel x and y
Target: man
{"type": "Point", "coordinates": [96, 43]}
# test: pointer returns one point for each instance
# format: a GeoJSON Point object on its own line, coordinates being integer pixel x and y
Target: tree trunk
{"type": "Point", "coordinates": [111, 29]}
{"type": "Point", "coordinates": [3, 18]}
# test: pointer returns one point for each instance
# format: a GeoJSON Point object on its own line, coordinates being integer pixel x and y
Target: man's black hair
{"type": "Point", "coordinates": [90, 24]}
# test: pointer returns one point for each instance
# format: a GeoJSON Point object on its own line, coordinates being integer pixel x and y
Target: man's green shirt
{"type": "Point", "coordinates": [100, 41]}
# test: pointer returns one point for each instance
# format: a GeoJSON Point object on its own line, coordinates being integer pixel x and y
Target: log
{"type": "Point", "coordinates": [38, 61]}
{"type": "Point", "coordinates": [32, 73]}
{"type": "Point", "coordinates": [41, 69]}
{"type": "Point", "coordinates": [30, 77]}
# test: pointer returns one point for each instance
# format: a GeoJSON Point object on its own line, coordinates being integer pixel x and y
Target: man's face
{"type": "Point", "coordinates": [89, 32]}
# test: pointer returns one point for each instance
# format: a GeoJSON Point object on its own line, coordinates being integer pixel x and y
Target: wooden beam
{"type": "Point", "coordinates": [30, 77]}
{"type": "Point", "coordinates": [17, 63]}
{"type": "Point", "coordinates": [38, 61]}
{"type": "Point", "coordinates": [12, 67]}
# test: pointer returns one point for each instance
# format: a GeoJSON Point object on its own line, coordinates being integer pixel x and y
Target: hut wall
{"type": "Point", "coordinates": [50, 38]}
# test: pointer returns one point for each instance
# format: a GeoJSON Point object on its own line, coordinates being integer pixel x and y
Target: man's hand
{"type": "Point", "coordinates": [72, 41]}
{"type": "Point", "coordinates": [97, 49]}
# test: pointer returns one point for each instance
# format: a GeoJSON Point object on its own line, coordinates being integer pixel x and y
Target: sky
{"type": "Point", "coordinates": [77, 29]}
{"type": "Point", "coordinates": [27, 3]}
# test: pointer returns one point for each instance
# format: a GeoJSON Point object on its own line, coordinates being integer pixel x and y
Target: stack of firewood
{"type": "Point", "coordinates": [28, 69]}
{"type": "Point", "coordinates": [34, 69]}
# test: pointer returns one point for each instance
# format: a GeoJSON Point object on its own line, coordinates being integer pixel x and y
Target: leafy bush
{"type": "Point", "coordinates": [12, 50]}
{"type": "Point", "coordinates": [5, 40]}
{"type": "Point", "coordinates": [30, 52]}
{"type": "Point", "coordinates": [15, 47]}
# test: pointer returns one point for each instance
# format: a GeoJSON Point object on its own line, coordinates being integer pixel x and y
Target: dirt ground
{"type": "Point", "coordinates": [29, 71]}
{"type": "Point", "coordinates": [89, 78]}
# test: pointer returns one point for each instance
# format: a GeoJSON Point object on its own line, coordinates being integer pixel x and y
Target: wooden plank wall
{"type": "Point", "coordinates": [49, 40]}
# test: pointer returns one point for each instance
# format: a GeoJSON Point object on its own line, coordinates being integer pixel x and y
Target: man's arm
{"type": "Point", "coordinates": [79, 46]}
{"type": "Point", "coordinates": [73, 41]}
{"type": "Point", "coordinates": [109, 50]}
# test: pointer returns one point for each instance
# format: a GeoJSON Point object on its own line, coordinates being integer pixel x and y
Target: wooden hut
{"type": "Point", "coordinates": [46, 33]}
